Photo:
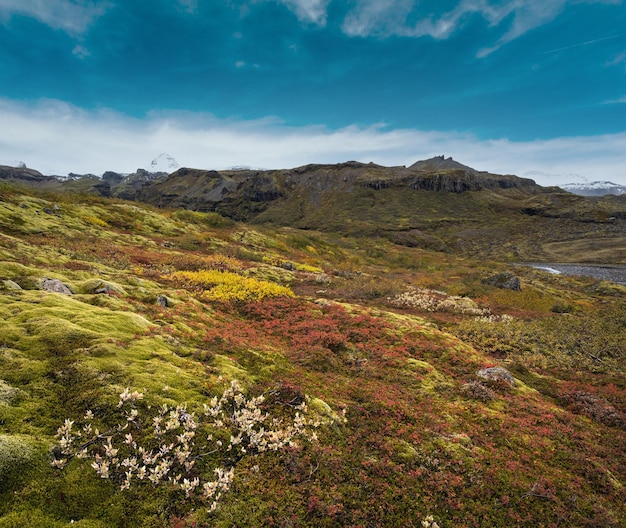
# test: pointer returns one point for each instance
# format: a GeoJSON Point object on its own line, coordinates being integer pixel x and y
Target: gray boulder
{"type": "Point", "coordinates": [164, 301]}
{"type": "Point", "coordinates": [496, 374]}
{"type": "Point", "coordinates": [55, 286]}
{"type": "Point", "coordinates": [505, 280]}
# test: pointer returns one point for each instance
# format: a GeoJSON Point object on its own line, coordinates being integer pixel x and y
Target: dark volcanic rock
{"type": "Point", "coordinates": [439, 163]}
{"type": "Point", "coordinates": [112, 178]}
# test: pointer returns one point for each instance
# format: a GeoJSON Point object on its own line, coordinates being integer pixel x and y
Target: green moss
{"type": "Point", "coordinates": [92, 286]}
{"type": "Point", "coordinates": [30, 517]}
{"type": "Point", "coordinates": [271, 274]}
{"type": "Point", "coordinates": [204, 219]}
{"type": "Point", "coordinates": [403, 451]}
{"type": "Point", "coordinates": [13, 270]}
{"type": "Point", "coordinates": [17, 453]}
{"type": "Point", "coordinates": [421, 366]}
{"type": "Point", "coordinates": [325, 411]}
{"type": "Point", "coordinates": [231, 370]}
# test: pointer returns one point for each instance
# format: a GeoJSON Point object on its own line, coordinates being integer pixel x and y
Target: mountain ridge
{"type": "Point", "coordinates": [443, 205]}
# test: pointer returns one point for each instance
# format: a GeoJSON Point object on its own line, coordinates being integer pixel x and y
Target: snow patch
{"type": "Point", "coordinates": [164, 163]}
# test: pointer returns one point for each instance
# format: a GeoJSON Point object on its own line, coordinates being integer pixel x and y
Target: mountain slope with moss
{"type": "Point", "coordinates": [435, 204]}
{"type": "Point", "coordinates": [392, 348]}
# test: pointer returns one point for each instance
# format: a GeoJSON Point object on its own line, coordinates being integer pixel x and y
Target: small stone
{"type": "Point", "coordinates": [164, 301]}
{"type": "Point", "coordinates": [10, 285]}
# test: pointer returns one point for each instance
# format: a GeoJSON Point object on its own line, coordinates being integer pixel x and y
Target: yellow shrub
{"type": "Point", "coordinates": [222, 262]}
{"type": "Point", "coordinates": [94, 220]}
{"type": "Point", "coordinates": [225, 286]}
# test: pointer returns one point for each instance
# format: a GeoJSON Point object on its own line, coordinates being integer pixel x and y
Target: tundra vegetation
{"type": "Point", "coordinates": [203, 372]}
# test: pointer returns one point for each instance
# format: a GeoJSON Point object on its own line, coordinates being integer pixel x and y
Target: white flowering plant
{"type": "Point", "coordinates": [192, 451]}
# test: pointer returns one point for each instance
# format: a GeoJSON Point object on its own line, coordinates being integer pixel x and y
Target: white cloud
{"type": "Point", "coordinates": [81, 52]}
{"type": "Point", "coordinates": [313, 11]}
{"type": "Point", "coordinates": [619, 60]}
{"type": "Point", "coordinates": [72, 16]}
{"type": "Point", "coordinates": [191, 6]}
{"type": "Point", "coordinates": [56, 138]}
{"type": "Point", "coordinates": [391, 17]}
{"type": "Point", "coordinates": [619, 100]}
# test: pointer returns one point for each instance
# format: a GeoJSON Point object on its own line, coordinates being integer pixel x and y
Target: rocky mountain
{"type": "Point", "coordinates": [597, 188]}
{"type": "Point", "coordinates": [244, 194]}
{"type": "Point", "coordinates": [24, 175]}
{"type": "Point", "coordinates": [440, 163]}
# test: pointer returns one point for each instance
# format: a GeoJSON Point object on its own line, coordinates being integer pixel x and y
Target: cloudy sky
{"type": "Point", "coordinates": [529, 87]}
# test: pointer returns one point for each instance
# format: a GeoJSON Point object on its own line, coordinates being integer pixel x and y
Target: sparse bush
{"type": "Point", "coordinates": [193, 453]}
{"type": "Point", "coordinates": [478, 391]}
{"type": "Point", "coordinates": [594, 407]}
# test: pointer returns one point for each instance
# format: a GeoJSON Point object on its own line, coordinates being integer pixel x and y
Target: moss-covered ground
{"type": "Point", "coordinates": [422, 433]}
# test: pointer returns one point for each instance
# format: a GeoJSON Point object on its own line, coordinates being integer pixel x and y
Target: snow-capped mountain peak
{"type": "Point", "coordinates": [164, 163]}
{"type": "Point", "coordinates": [596, 188]}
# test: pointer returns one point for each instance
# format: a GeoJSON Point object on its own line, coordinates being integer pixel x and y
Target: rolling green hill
{"type": "Point", "coordinates": [433, 394]}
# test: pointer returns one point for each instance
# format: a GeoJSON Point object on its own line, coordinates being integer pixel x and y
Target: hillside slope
{"type": "Point", "coordinates": [387, 344]}
{"type": "Point", "coordinates": [428, 205]}
{"type": "Point", "coordinates": [434, 204]}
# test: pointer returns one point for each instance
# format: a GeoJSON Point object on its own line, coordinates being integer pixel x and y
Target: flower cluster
{"type": "Point", "coordinates": [195, 453]}
{"type": "Point", "coordinates": [438, 301]}
{"type": "Point", "coordinates": [503, 318]}
{"type": "Point", "coordinates": [429, 522]}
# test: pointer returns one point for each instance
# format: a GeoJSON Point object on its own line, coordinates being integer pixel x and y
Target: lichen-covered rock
{"type": "Point", "coordinates": [8, 393]}
{"type": "Point", "coordinates": [506, 281]}
{"type": "Point", "coordinates": [10, 285]}
{"type": "Point", "coordinates": [97, 286]}
{"type": "Point", "coordinates": [496, 374]}
{"type": "Point", "coordinates": [55, 286]}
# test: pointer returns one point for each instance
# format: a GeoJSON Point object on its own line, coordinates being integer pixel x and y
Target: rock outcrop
{"type": "Point", "coordinates": [505, 281]}
{"type": "Point", "coordinates": [496, 374]}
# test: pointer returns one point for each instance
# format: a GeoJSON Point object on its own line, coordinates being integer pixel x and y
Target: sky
{"type": "Point", "coordinates": [535, 88]}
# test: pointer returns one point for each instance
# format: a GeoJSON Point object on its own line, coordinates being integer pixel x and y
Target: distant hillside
{"type": "Point", "coordinates": [24, 175]}
{"type": "Point", "coordinates": [436, 204]}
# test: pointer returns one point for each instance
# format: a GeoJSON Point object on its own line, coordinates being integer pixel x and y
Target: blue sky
{"type": "Point", "coordinates": [530, 87]}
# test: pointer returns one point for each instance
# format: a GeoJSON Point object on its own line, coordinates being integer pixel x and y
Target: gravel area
{"type": "Point", "coordinates": [611, 273]}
